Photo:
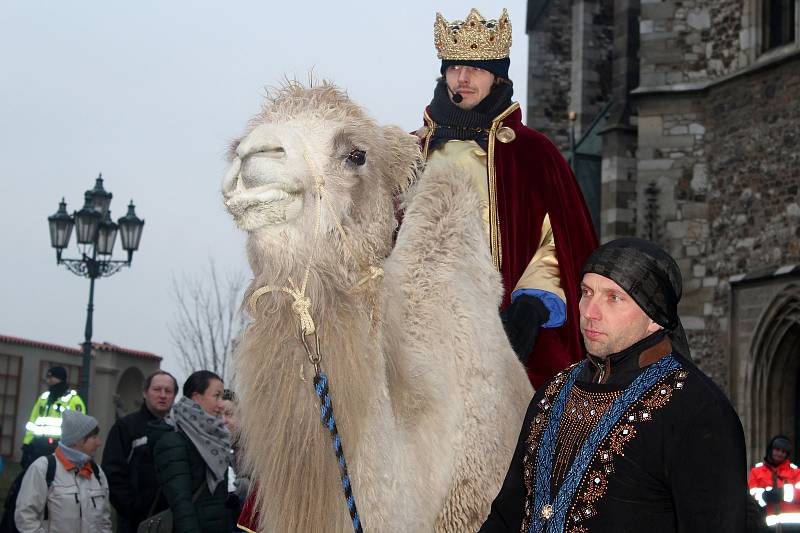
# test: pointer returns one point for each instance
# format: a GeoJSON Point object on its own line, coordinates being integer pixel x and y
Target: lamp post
{"type": "Point", "coordinates": [96, 234]}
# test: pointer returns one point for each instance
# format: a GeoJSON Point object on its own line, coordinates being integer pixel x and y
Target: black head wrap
{"type": "Point", "coordinates": [650, 276]}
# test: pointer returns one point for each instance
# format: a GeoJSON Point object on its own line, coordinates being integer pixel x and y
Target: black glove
{"type": "Point", "coordinates": [772, 496]}
{"type": "Point", "coordinates": [522, 320]}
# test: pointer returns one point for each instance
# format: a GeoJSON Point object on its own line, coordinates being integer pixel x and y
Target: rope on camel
{"type": "Point", "coordinates": [326, 413]}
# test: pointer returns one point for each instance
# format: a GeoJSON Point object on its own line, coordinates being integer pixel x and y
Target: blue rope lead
{"type": "Point", "coordinates": [326, 413]}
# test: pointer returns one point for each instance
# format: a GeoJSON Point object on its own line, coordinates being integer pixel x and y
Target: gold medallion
{"type": "Point", "coordinates": [547, 512]}
{"type": "Point", "coordinates": [505, 135]}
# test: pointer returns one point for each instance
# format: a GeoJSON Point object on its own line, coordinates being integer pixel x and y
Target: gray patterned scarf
{"type": "Point", "coordinates": [207, 433]}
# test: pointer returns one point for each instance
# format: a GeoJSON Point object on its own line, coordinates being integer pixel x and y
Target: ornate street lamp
{"type": "Point", "coordinates": [96, 234]}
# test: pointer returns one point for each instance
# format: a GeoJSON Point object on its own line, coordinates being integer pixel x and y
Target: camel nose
{"type": "Point", "coordinates": [267, 150]}
{"type": "Point", "coordinates": [259, 152]}
{"type": "Point", "coordinates": [259, 164]}
{"type": "Point", "coordinates": [263, 143]}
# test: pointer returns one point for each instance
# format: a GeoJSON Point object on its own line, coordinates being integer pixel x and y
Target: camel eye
{"type": "Point", "coordinates": [357, 157]}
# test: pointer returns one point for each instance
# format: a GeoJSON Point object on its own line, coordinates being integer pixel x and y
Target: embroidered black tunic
{"type": "Point", "coordinates": [674, 462]}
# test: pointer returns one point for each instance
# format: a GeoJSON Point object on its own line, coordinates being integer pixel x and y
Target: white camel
{"type": "Point", "coordinates": [427, 393]}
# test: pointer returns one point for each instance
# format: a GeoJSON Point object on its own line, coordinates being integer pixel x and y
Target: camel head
{"type": "Point", "coordinates": [307, 137]}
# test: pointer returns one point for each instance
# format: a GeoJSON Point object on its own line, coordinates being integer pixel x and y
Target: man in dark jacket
{"type": "Point", "coordinates": [635, 437]}
{"type": "Point", "coordinates": [128, 462]}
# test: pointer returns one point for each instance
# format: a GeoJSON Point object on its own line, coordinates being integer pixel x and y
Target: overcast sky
{"type": "Point", "coordinates": [149, 93]}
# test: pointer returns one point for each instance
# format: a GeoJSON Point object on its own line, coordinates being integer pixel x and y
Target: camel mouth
{"type": "Point", "coordinates": [265, 194]}
{"type": "Point", "coordinates": [270, 204]}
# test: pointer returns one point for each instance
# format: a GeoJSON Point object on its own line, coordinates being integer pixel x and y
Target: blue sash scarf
{"type": "Point", "coordinates": [549, 514]}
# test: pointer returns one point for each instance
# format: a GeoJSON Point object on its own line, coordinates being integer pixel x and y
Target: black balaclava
{"type": "Point", "coordinates": [59, 389]}
{"type": "Point", "coordinates": [782, 443]}
{"type": "Point", "coordinates": [650, 276]}
{"type": "Point", "coordinates": [452, 122]}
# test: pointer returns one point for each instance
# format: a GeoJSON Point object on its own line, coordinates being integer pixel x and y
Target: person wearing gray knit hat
{"type": "Point", "coordinates": [75, 426]}
{"type": "Point", "coordinates": [85, 506]}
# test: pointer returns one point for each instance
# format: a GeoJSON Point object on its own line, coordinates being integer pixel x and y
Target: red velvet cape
{"type": "Point", "coordinates": [249, 518]}
{"type": "Point", "coordinates": [534, 179]}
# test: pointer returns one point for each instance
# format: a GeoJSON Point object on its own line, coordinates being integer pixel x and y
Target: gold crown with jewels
{"type": "Point", "coordinates": [473, 38]}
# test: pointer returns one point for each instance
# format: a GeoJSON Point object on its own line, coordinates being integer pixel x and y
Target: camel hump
{"type": "Point", "coordinates": [444, 191]}
{"type": "Point", "coordinates": [442, 212]}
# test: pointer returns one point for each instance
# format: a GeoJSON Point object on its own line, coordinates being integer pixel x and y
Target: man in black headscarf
{"type": "Point", "coordinates": [634, 438]}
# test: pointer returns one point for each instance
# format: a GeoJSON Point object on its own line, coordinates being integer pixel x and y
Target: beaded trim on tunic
{"type": "Point", "coordinates": [575, 426]}
{"type": "Point", "coordinates": [581, 415]}
{"type": "Point", "coordinates": [539, 422]}
{"type": "Point", "coordinates": [594, 484]}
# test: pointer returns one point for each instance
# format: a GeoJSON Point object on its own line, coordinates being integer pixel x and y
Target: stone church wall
{"type": "Point", "coordinates": [674, 37]}
{"type": "Point", "coordinates": [726, 47]}
{"type": "Point", "coordinates": [754, 187]}
{"type": "Point", "coordinates": [592, 44]}
{"type": "Point", "coordinates": [550, 60]}
{"type": "Point", "coordinates": [570, 67]}
{"type": "Point", "coordinates": [672, 156]}
{"type": "Point", "coordinates": [716, 135]}
{"type": "Point", "coordinates": [721, 148]}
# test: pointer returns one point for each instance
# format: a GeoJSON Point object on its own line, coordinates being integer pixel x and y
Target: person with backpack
{"type": "Point", "coordinates": [66, 492]}
{"type": "Point", "coordinates": [191, 451]}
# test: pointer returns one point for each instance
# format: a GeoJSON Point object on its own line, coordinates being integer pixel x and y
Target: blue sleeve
{"type": "Point", "coordinates": [554, 304]}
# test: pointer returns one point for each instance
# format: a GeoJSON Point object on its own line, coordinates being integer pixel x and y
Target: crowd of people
{"type": "Point", "coordinates": [175, 454]}
{"type": "Point", "coordinates": [180, 453]}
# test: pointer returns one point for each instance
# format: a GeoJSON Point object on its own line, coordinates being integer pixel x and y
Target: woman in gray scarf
{"type": "Point", "coordinates": [191, 450]}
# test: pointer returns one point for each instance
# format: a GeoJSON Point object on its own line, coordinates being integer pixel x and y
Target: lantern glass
{"type": "Point", "coordinates": [60, 227]}
{"type": "Point", "coordinates": [106, 235]}
{"type": "Point", "coordinates": [101, 198]}
{"type": "Point", "coordinates": [130, 227]}
{"type": "Point", "coordinates": [87, 221]}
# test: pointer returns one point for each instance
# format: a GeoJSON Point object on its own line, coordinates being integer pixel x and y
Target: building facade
{"type": "Point", "coordinates": [116, 380]}
{"type": "Point", "coordinates": [690, 113]}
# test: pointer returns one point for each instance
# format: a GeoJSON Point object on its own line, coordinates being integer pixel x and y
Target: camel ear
{"type": "Point", "coordinates": [404, 157]}
{"type": "Point", "coordinates": [230, 155]}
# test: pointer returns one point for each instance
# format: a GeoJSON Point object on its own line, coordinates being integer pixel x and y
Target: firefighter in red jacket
{"type": "Point", "coordinates": [775, 484]}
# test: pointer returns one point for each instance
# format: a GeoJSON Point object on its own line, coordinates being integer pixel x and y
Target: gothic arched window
{"type": "Point", "coordinates": [778, 23]}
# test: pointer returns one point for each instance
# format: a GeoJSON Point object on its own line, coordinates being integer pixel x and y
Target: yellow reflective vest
{"type": "Point", "coordinates": [46, 421]}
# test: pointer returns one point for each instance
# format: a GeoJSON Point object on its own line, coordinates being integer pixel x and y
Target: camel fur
{"type": "Point", "coordinates": [428, 395]}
